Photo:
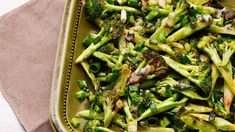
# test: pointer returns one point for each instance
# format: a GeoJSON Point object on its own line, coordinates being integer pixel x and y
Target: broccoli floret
{"type": "Point", "coordinates": [228, 51]}
{"type": "Point", "coordinates": [169, 85]}
{"type": "Point", "coordinates": [97, 8]}
{"type": "Point", "coordinates": [206, 44]}
{"type": "Point", "coordinates": [109, 112]}
{"type": "Point", "coordinates": [112, 30]}
{"type": "Point", "coordinates": [199, 74]}
{"type": "Point", "coordinates": [91, 125]}
{"type": "Point", "coordinates": [154, 66]}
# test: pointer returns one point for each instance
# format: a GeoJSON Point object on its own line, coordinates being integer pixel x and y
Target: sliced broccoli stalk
{"type": "Point", "coordinates": [151, 97]}
{"type": "Point", "coordinates": [202, 9]}
{"type": "Point", "coordinates": [132, 124]}
{"type": "Point", "coordinates": [110, 61]}
{"type": "Point", "coordinates": [218, 122]}
{"type": "Point", "coordinates": [157, 129]}
{"type": "Point", "coordinates": [228, 95]}
{"type": "Point", "coordinates": [196, 123]}
{"type": "Point", "coordinates": [169, 22]}
{"type": "Point", "coordinates": [94, 81]}
{"type": "Point", "coordinates": [120, 120]}
{"type": "Point", "coordinates": [163, 106]}
{"type": "Point", "coordinates": [109, 113]}
{"type": "Point", "coordinates": [154, 12]}
{"type": "Point", "coordinates": [117, 119]}
{"type": "Point", "coordinates": [180, 86]}
{"type": "Point", "coordinates": [198, 74]}
{"type": "Point", "coordinates": [91, 115]}
{"type": "Point", "coordinates": [187, 31]}
{"type": "Point", "coordinates": [103, 129]}
{"type": "Point", "coordinates": [194, 108]}
{"type": "Point", "coordinates": [208, 47]}
{"type": "Point", "coordinates": [227, 29]}
{"type": "Point", "coordinates": [113, 30]}
{"type": "Point", "coordinates": [119, 88]}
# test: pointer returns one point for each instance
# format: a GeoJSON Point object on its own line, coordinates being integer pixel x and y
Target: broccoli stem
{"type": "Point", "coordinates": [218, 122]}
{"type": "Point", "coordinates": [141, 65]}
{"type": "Point", "coordinates": [86, 66]}
{"type": "Point", "coordinates": [157, 12]}
{"type": "Point", "coordinates": [106, 58]}
{"type": "Point", "coordinates": [132, 124]}
{"type": "Point", "coordinates": [121, 46]}
{"type": "Point", "coordinates": [160, 47]}
{"type": "Point", "coordinates": [228, 95]}
{"type": "Point", "coordinates": [103, 129]}
{"type": "Point", "coordinates": [119, 88]}
{"type": "Point", "coordinates": [117, 119]}
{"type": "Point", "coordinates": [163, 106]}
{"type": "Point", "coordinates": [92, 48]}
{"type": "Point", "coordinates": [194, 108]}
{"type": "Point", "coordinates": [91, 115]}
{"type": "Point", "coordinates": [108, 111]}
{"type": "Point", "coordinates": [196, 123]}
{"type": "Point", "coordinates": [110, 7]}
{"type": "Point", "coordinates": [186, 31]}
{"type": "Point", "coordinates": [222, 30]}
{"type": "Point", "coordinates": [157, 129]}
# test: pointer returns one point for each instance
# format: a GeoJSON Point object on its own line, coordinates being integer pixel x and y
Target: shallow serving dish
{"type": "Point", "coordinates": [74, 28]}
{"type": "Point", "coordinates": [64, 105]}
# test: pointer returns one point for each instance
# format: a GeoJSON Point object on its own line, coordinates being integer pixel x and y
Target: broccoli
{"type": "Point", "coordinates": [196, 123]}
{"type": "Point", "coordinates": [168, 23]}
{"type": "Point", "coordinates": [132, 124]}
{"type": "Point", "coordinates": [208, 46]}
{"type": "Point", "coordinates": [166, 86]}
{"type": "Point", "coordinates": [199, 74]}
{"type": "Point", "coordinates": [117, 91]}
{"type": "Point", "coordinates": [109, 113]}
{"type": "Point", "coordinates": [95, 126]}
{"type": "Point", "coordinates": [227, 29]}
{"type": "Point", "coordinates": [96, 8]}
{"type": "Point", "coordinates": [228, 50]}
{"type": "Point", "coordinates": [112, 30]}
{"type": "Point", "coordinates": [91, 125]}
{"type": "Point", "coordinates": [154, 66]}
{"type": "Point", "coordinates": [169, 103]}
{"type": "Point", "coordinates": [188, 30]}
{"type": "Point", "coordinates": [219, 123]}
{"type": "Point", "coordinates": [228, 95]}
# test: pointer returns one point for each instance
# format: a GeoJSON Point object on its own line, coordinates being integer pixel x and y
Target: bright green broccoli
{"type": "Point", "coordinates": [199, 74]}
{"type": "Point", "coordinates": [98, 8]}
{"type": "Point", "coordinates": [208, 45]}
{"type": "Point", "coordinates": [112, 30]}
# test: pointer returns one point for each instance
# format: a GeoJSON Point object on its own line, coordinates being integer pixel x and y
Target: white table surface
{"type": "Point", "coordinates": [8, 120]}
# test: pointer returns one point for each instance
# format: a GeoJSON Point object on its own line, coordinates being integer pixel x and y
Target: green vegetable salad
{"type": "Point", "coordinates": [158, 65]}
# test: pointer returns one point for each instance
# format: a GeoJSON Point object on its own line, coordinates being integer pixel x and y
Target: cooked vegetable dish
{"type": "Point", "coordinates": [158, 65]}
